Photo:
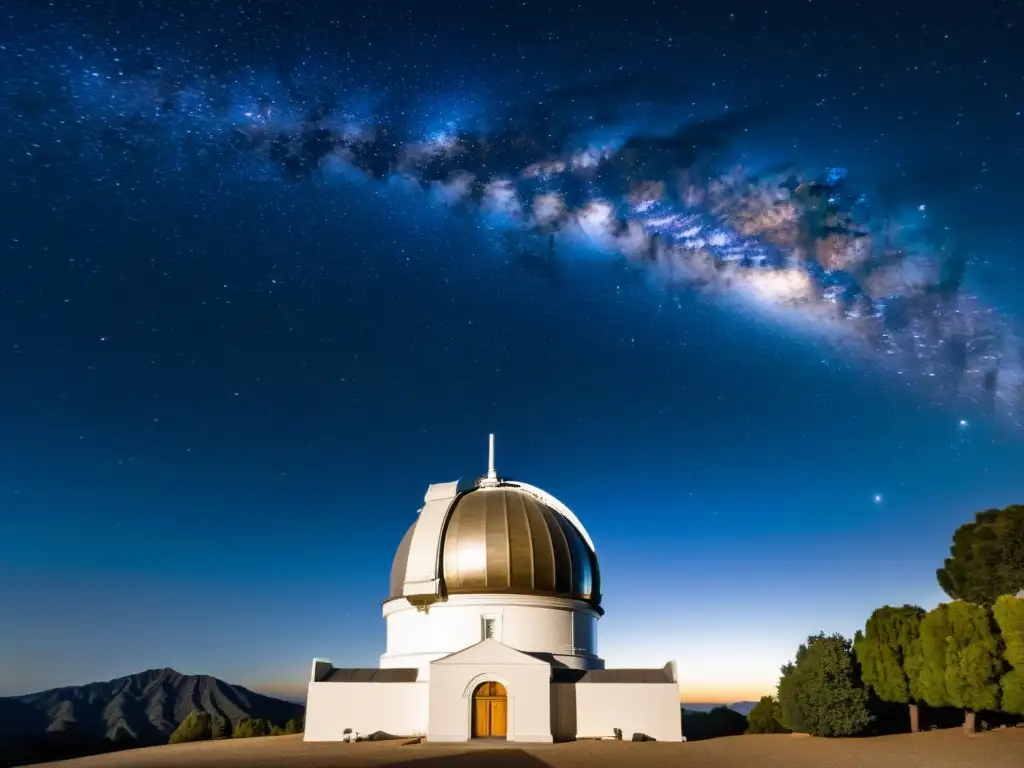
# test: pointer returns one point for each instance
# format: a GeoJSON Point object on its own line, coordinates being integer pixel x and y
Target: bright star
{"type": "Point", "coordinates": [878, 498]}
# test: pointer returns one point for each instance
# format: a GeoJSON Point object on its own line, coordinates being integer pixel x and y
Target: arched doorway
{"type": "Point", "coordinates": [490, 711]}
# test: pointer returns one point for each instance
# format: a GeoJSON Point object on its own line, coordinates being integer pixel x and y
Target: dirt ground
{"type": "Point", "coordinates": [936, 749]}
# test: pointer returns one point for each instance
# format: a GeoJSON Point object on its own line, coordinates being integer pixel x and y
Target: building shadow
{"type": "Point", "coordinates": [563, 711]}
{"type": "Point", "coordinates": [484, 758]}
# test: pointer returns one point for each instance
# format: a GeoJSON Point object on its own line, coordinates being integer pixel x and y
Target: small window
{"type": "Point", "coordinates": [490, 628]}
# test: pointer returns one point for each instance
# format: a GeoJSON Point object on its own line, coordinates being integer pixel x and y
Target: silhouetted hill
{"type": "Point", "coordinates": [137, 710]}
{"type": "Point", "coordinates": [743, 707]}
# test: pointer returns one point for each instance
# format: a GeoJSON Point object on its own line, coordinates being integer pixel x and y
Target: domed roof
{"type": "Point", "coordinates": [503, 537]}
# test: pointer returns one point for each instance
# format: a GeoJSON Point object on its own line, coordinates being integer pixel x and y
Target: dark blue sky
{"type": "Point", "coordinates": [225, 385]}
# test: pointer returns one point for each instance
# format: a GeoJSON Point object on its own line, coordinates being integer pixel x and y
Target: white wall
{"type": "Point", "coordinates": [567, 629]}
{"type": "Point", "coordinates": [650, 708]}
{"type": "Point", "coordinates": [527, 683]}
{"type": "Point", "coordinates": [584, 633]}
{"type": "Point", "coordinates": [396, 708]}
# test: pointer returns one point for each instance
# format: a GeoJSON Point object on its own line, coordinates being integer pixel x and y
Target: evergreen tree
{"type": "Point", "coordinates": [219, 727]}
{"type": "Point", "coordinates": [790, 713]}
{"type": "Point", "coordinates": [195, 727]}
{"type": "Point", "coordinates": [766, 717]}
{"type": "Point", "coordinates": [293, 726]}
{"type": "Point", "coordinates": [822, 692]}
{"type": "Point", "coordinates": [1009, 615]}
{"type": "Point", "coordinates": [883, 650]}
{"type": "Point", "coordinates": [243, 729]}
{"type": "Point", "coordinates": [986, 559]}
{"type": "Point", "coordinates": [959, 659]}
{"type": "Point", "coordinates": [250, 727]}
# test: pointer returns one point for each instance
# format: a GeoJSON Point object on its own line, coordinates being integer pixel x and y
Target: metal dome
{"type": "Point", "coordinates": [500, 538]}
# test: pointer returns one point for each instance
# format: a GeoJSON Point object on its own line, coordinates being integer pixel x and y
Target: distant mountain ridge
{"type": "Point", "coordinates": [743, 707]}
{"type": "Point", "coordinates": [137, 710]}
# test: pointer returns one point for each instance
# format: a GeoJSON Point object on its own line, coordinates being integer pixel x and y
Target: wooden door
{"type": "Point", "coordinates": [490, 711]}
{"type": "Point", "coordinates": [499, 717]}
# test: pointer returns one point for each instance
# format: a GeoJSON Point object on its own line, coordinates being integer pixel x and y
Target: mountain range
{"type": "Point", "coordinates": [743, 707]}
{"type": "Point", "coordinates": [136, 710]}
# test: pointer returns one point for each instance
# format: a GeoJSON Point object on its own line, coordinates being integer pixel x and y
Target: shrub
{"type": "Point", "coordinates": [822, 692]}
{"type": "Point", "coordinates": [720, 721]}
{"type": "Point", "coordinates": [766, 717]}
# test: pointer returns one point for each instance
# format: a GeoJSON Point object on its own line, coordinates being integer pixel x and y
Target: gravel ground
{"type": "Point", "coordinates": [936, 749]}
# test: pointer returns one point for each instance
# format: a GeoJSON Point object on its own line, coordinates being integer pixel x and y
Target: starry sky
{"type": "Point", "coordinates": [740, 285]}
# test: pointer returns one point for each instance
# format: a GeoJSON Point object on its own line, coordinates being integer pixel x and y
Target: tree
{"type": "Point", "coordinates": [766, 717]}
{"type": "Point", "coordinates": [1009, 615]}
{"type": "Point", "coordinates": [959, 659]}
{"type": "Point", "coordinates": [719, 721]}
{"type": "Point", "coordinates": [195, 727]}
{"type": "Point", "coordinates": [987, 557]}
{"type": "Point", "coordinates": [822, 692]}
{"type": "Point", "coordinates": [293, 726]}
{"type": "Point", "coordinates": [790, 713]}
{"type": "Point", "coordinates": [890, 640]}
{"type": "Point", "coordinates": [250, 727]}
{"type": "Point", "coordinates": [219, 727]}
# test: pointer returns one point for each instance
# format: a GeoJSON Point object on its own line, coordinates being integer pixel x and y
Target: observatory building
{"type": "Point", "coordinates": [492, 633]}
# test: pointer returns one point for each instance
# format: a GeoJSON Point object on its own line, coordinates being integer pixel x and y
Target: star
{"type": "Point", "coordinates": [878, 498]}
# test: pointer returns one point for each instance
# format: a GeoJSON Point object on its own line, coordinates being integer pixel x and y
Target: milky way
{"type": "Point", "coordinates": [784, 245]}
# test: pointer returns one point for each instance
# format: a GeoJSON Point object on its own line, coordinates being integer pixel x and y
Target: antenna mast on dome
{"type": "Point", "coordinates": [492, 475]}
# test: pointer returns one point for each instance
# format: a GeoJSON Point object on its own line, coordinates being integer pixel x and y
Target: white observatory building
{"type": "Point", "coordinates": [492, 633]}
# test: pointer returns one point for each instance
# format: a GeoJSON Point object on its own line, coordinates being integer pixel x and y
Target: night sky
{"type": "Point", "coordinates": [739, 283]}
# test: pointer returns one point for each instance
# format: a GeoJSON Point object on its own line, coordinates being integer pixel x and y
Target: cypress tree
{"type": "Point", "coordinates": [1009, 615]}
{"type": "Point", "coordinates": [959, 659]}
{"type": "Point", "coordinates": [888, 655]}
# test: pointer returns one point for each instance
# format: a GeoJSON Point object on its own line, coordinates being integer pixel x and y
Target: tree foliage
{"type": "Point", "coordinates": [195, 727]}
{"type": "Point", "coordinates": [719, 721]}
{"type": "Point", "coordinates": [293, 726]}
{"type": "Point", "coordinates": [889, 641]}
{"type": "Point", "coordinates": [986, 558]}
{"type": "Point", "coordinates": [822, 692]}
{"type": "Point", "coordinates": [250, 727]}
{"type": "Point", "coordinates": [959, 657]}
{"type": "Point", "coordinates": [1009, 615]}
{"type": "Point", "coordinates": [790, 713]}
{"type": "Point", "coordinates": [220, 727]}
{"type": "Point", "coordinates": [766, 717]}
